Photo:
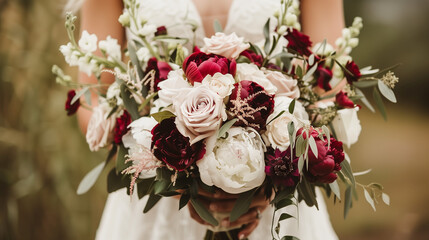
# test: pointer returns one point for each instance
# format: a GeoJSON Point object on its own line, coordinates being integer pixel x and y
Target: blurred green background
{"type": "Point", "coordinates": [44, 155]}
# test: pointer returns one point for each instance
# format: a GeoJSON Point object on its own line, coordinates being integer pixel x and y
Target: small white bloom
{"type": "Point", "coordinates": [282, 30]}
{"type": "Point", "coordinates": [111, 47]}
{"type": "Point", "coordinates": [219, 83]}
{"type": "Point", "coordinates": [172, 86]}
{"type": "Point", "coordinates": [251, 72]}
{"type": "Point", "coordinates": [70, 55]}
{"type": "Point", "coordinates": [100, 128]}
{"type": "Point", "coordinates": [319, 49]}
{"type": "Point", "coordinates": [354, 42]}
{"type": "Point", "coordinates": [114, 91]}
{"type": "Point", "coordinates": [88, 42]}
{"type": "Point", "coordinates": [229, 46]}
{"type": "Point", "coordinates": [87, 64]}
{"type": "Point", "coordinates": [235, 164]}
{"type": "Point", "coordinates": [291, 19]}
{"type": "Point", "coordinates": [347, 126]}
{"type": "Point", "coordinates": [124, 19]}
{"type": "Point", "coordinates": [147, 30]}
{"type": "Point", "coordinates": [143, 54]}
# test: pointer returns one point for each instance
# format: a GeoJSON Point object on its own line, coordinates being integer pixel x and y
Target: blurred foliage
{"type": "Point", "coordinates": [44, 155]}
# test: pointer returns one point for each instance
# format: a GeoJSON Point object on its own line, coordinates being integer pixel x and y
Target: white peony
{"type": "Point", "coordinates": [172, 86]}
{"type": "Point", "coordinates": [199, 111]}
{"type": "Point", "coordinates": [88, 42]}
{"type": "Point", "coordinates": [229, 46]}
{"type": "Point", "coordinates": [347, 126]}
{"type": "Point", "coordinates": [111, 47]}
{"type": "Point", "coordinates": [286, 85]}
{"type": "Point", "coordinates": [251, 72]}
{"type": "Point", "coordinates": [99, 133]}
{"type": "Point", "coordinates": [236, 164]}
{"type": "Point", "coordinates": [277, 135]}
{"type": "Point", "coordinates": [219, 83]}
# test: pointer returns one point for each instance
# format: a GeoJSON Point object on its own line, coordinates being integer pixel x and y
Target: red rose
{"type": "Point", "coordinates": [199, 64]}
{"type": "Point", "coordinates": [354, 74]}
{"type": "Point", "coordinates": [161, 71]}
{"type": "Point", "coordinates": [323, 76]}
{"type": "Point", "coordinates": [298, 42]}
{"type": "Point", "coordinates": [281, 168]}
{"type": "Point", "coordinates": [343, 101]}
{"type": "Point", "coordinates": [174, 149]}
{"type": "Point", "coordinates": [71, 108]}
{"type": "Point", "coordinates": [161, 31]}
{"type": "Point", "coordinates": [121, 127]}
{"type": "Point", "coordinates": [251, 104]}
{"type": "Point", "coordinates": [253, 57]}
{"type": "Point", "coordinates": [323, 168]}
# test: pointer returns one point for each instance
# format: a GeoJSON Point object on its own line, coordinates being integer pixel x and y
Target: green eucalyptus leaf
{"type": "Point", "coordinates": [129, 102]}
{"type": "Point", "coordinates": [313, 145]}
{"type": "Point", "coordinates": [120, 159]}
{"type": "Point", "coordinates": [217, 26]}
{"type": "Point", "coordinates": [348, 200]}
{"type": "Point", "coordinates": [292, 106]}
{"type": "Point", "coordinates": [379, 103]}
{"type": "Point", "coordinates": [310, 73]}
{"type": "Point", "coordinates": [369, 199]}
{"type": "Point", "coordinates": [364, 100]}
{"type": "Point", "coordinates": [327, 134]}
{"type": "Point", "coordinates": [151, 202]}
{"type": "Point", "coordinates": [184, 199]}
{"type": "Point", "coordinates": [87, 95]}
{"type": "Point", "coordinates": [386, 91]}
{"type": "Point", "coordinates": [285, 216]}
{"type": "Point", "coordinates": [301, 163]}
{"type": "Point", "coordinates": [171, 39]}
{"type": "Point", "coordinates": [335, 189]}
{"type": "Point", "coordinates": [226, 126]}
{"type": "Point", "coordinates": [135, 61]}
{"type": "Point", "coordinates": [289, 238]}
{"type": "Point", "coordinates": [147, 101]}
{"type": "Point", "coordinates": [90, 178]}
{"type": "Point", "coordinates": [115, 181]}
{"type": "Point", "coordinates": [79, 94]}
{"type": "Point", "coordinates": [242, 204]}
{"type": "Point", "coordinates": [203, 212]}
{"type": "Point", "coordinates": [386, 198]}
{"type": "Point", "coordinates": [160, 116]}
{"type": "Point", "coordinates": [311, 60]}
{"type": "Point", "coordinates": [283, 194]}
{"type": "Point", "coordinates": [307, 192]}
{"type": "Point", "coordinates": [277, 116]}
{"type": "Point", "coordinates": [284, 203]}
{"type": "Point", "coordinates": [298, 71]}
{"type": "Point", "coordinates": [145, 186]}
{"type": "Point", "coordinates": [267, 36]}
{"type": "Point", "coordinates": [160, 186]}
{"type": "Point", "coordinates": [365, 84]}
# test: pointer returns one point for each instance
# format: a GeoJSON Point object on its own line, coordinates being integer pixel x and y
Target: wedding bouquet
{"type": "Point", "coordinates": [241, 117]}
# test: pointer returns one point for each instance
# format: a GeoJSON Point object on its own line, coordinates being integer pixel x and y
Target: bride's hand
{"type": "Point", "coordinates": [221, 201]}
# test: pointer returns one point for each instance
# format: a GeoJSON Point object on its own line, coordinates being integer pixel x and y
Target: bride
{"type": "Point", "coordinates": [123, 218]}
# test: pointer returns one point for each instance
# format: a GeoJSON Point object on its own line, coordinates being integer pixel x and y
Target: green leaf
{"type": "Point", "coordinates": [376, 185]}
{"type": "Point", "coordinates": [129, 102]}
{"type": "Point", "coordinates": [147, 101]}
{"type": "Point", "coordinates": [151, 202]}
{"type": "Point", "coordinates": [160, 116]}
{"type": "Point", "coordinates": [171, 39]}
{"type": "Point", "coordinates": [313, 146]}
{"type": "Point", "coordinates": [379, 103]}
{"type": "Point", "coordinates": [226, 126]}
{"type": "Point", "coordinates": [120, 159]}
{"type": "Point", "coordinates": [289, 238]}
{"type": "Point", "coordinates": [291, 128]}
{"type": "Point", "coordinates": [87, 96]}
{"type": "Point", "coordinates": [203, 212]}
{"type": "Point", "coordinates": [335, 189]}
{"type": "Point", "coordinates": [242, 204]}
{"type": "Point", "coordinates": [327, 134]}
{"type": "Point", "coordinates": [267, 36]}
{"type": "Point", "coordinates": [284, 203]}
{"type": "Point", "coordinates": [301, 163]}
{"type": "Point", "coordinates": [79, 94]}
{"type": "Point", "coordinates": [135, 61]}
{"type": "Point", "coordinates": [364, 100]}
{"type": "Point", "coordinates": [300, 145]}
{"type": "Point", "coordinates": [285, 216]}
{"type": "Point", "coordinates": [307, 192]}
{"type": "Point", "coordinates": [217, 26]}
{"type": "Point", "coordinates": [309, 73]}
{"type": "Point", "coordinates": [311, 60]}
{"type": "Point", "coordinates": [386, 199]}
{"type": "Point", "coordinates": [292, 106]}
{"type": "Point", "coordinates": [369, 199]}
{"type": "Point", "coordinates": [184, 199]}
{"type": "Point", "coordinates": [90, 178]}
{"type": "Point", "coordinates": [298, 71]}
{"type": "Point", "coordinates": [386, 91]}
{"type": "Point", "coordinates": [145, 186]}
{"type": "Point", "coordinates": [284, 194]}
{"type": "Point", "coordinates": [348, 200]}
{"type": "Point", "coordinates": [347, 170]}
{"type": "Point", "coordinates": [160, 186]}
{"type": "Point", "coordinates": [365, 84]}
{"type": "Point", "coordinates": [277, 116]}
{"type": "Point", "coordinates": [115, 182]}
{"type": "Point", "coordinates": [255, 49]}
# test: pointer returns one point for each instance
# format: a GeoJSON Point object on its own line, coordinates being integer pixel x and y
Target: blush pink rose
{"type": "Point", "coordinates": [229, 46]}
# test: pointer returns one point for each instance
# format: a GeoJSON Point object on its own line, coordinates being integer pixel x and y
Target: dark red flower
{"type": "Point", "coordinates": [354, 73]}
{"type": "Point", "coordinates": [323, 167]}
{"type": "Point", "coordinates": [174, 149]}
{"type": "Point", "coordinates": [121, 127]}
{"type": "Point", "coordinates": [281, 168]}
{"type": "Point", "coordinates": [323, 76]}
{"type": "Point", "coordinates": [343, 101]}
{"type": "Point", "coordinates": [161, 31]}
{"type": "Point", "coordinates": [298, 42]}
{"type": "Point", "coordinates": [253, 57]}
{"type": "Point", "coordinates": [198, 65]}
{"type": "Point", "coordinates": [161, 72]}
{"type": "Point", "coordinates": [251, 104]}
{"type": "Point", "coordinates": [71, 108]}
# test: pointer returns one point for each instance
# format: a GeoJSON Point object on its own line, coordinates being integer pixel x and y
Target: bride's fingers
{"type": "Point", "coordinates": [252, 215]}
{"type": "Point", "coordinates": [228, 205]}
{"type": "Point", "coordinates": [248, 229]}
{"type": "Point", "coordinates": [219, 194]}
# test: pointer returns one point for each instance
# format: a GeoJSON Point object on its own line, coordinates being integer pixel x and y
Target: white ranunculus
{"type": "Point", "coordinates": [251, 72]}
{"type": "Point", "coordinates": [229, 46]}
{"type": "Point", "coordinates": [236, 164]}
{"type": "Point", "coordinates": [88, 42]}
{"type": "Point", "coordinates": [277, 135]}
{"type": "Point", "coordinates": [111, 47]}
{"type": "Point", "coordinates": [199, 111]}
{"type": "Point", "coordinates": [172, 86]}
{"type": "Point", "coordinates": [114, 91]}
{"type": "Point", "coordinates": [138, 141]}
{"type": "Point", "coordinates": [347, 126]}
{"type": "Point", "coordinates": [99, 133]}
{"type": "Point", "coordinates": [286, 85]}
{"type": "Point", "coordinates": [219, 83]}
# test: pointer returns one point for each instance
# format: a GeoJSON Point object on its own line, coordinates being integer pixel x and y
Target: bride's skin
{"type": "Point", "coordinates": [320, 19]}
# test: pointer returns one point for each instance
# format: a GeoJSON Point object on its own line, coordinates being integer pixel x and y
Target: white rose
{"type": "Point", "coordinates": [236, 164]}
{"type": "Point", "coordinates": [138, 141]}
{"type": "Point", "coordinates": [88, 42]}
{"type": "Point", "coordinates": [172, 86]}
{"type": "Point", "coordinates": [111, 47]}
{"type": "Point", "coordinates": [277, 135]}
{"type": "Point", "coordinates": [219, 83]}
{"type": "Point", "coordinates": [199, 111]}
{"type": "Point", "coordinates": [347, 126]}
{"type": "Point", "coordinates": [229, 46]}
{"type": "Point", "coordinates": [286, 86]}
{"type": "Point", "coordinates": [251, 72]}
{"type": "Point", "coordinates": [99, 133]}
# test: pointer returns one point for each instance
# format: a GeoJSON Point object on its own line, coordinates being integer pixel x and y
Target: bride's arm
{"type": "Point", "coordinates": [99, 17]}
{"type": "Point", "coordinates": [322, 19]}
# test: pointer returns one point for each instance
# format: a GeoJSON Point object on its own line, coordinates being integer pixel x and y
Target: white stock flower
{"type": "Point", "coordinates": [124, 19]}
{"type": "Point", "coordinates": [87, 64]}
{"type": "Point", "coordinates": [199, 112]}
{"type": "Point", "coordinates": [319, 49]}
{"type": "Point", "coordinates": [147, 30]}
{"type": "Point", "coordinates": [347, 126]}
{"type": "Point", "coordinates": [251, 72]}
{"type": "Point", "coordinates": [143, 54]}
{"type": "Point", "coordinates": [219, 83]}
{"type": "Point", "coordinates": [286, 85]}
{"type": "Point", "coordinates": [172, 86]}
{"type": "Point", "coordinates": [236, 164]}
{"type": "Point", "coordinates": [99, 133]}
{"type": "Point", "coordinates": [277, 135]}
{"type": "Point", "coordinates": [229, 46]}
{"type": "Point", "coordinates": [88, 42]}
{"type": "Point", "coordinates": [70, 55]}
{"type": "Point", "coordinates": [111, 47]}
{"type": "Point", "coordinates": [114, 91]}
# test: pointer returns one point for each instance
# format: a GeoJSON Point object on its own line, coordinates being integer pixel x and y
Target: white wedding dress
{"type": "Point", "coordinates": [123, 217]}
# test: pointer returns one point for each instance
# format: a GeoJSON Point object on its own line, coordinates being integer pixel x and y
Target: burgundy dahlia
{"type": "Point", "coordinates": [162, 30]}
{"type": "Point", "coordinates": [71, 108]}
{"type": "Point", "coordinates": [174, 149]}
{"type": "Point", "coordinates": [354, 73]}
{"type": "Point", "coordinates": [323, 76]}
{"type": "Point", "coordinates": [253, 57]}
{"type": "Point", "coordinates": [198, 65]}
{"type": "Point", "coordinates": [251, 104]}
{"type": "Point", "coordinates": [121, 127]}
{"type": "Point", "coordinates": [161, 71]}
{"type": "Point", "coordinates": [298, 42]}
{"type": "Point", "coordinates": [344, 101]}
{"type": "Point", "coordinates": [281, 168]}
